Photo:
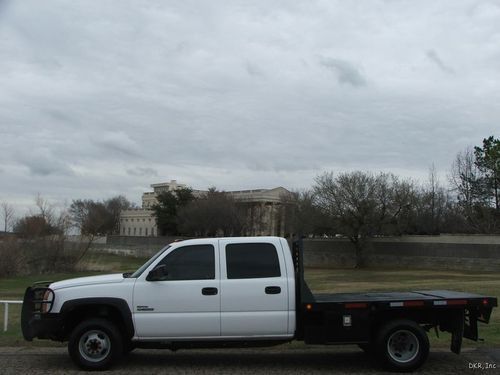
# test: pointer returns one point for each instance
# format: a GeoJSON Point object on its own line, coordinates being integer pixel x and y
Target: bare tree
{"type": "Point", "coordinates": [433, 202]}
{"type": "Point", "coordinates": [42, 243]}
{"type": "Point", "coordinates": [302, 216]}
{"type": "Point", "coordinates": [468, 183]}
{"type": "Point", "coordinates": [464, 179]}
{"type": "Point", "coordinates": [8, 215]}
{"type": "Point", "coordinates": [96, 218]}
{"type": "Point", "coordinates": [361, 204]}
{"type": "Point", "coordinates": [45, 209]}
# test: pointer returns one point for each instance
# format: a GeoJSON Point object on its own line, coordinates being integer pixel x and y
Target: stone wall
{"type": "Point", "coordinates": [431, 252]}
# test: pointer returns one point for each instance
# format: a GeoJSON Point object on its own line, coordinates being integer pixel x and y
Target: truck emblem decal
{"type": "Point", "coordinates": [145, 308]}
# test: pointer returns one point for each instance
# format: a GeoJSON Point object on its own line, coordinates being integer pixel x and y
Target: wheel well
{"type": "Point", "coordinates": [426, 318]}
{"type": "Point", "coordinates": [80, 313]}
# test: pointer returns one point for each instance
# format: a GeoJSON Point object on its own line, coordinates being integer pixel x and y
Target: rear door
{"type": "Point", "coordinates": [254, 293]}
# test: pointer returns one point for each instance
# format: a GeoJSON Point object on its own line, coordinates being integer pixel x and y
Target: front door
{"type": "Point", "coordinates": [185, 303]}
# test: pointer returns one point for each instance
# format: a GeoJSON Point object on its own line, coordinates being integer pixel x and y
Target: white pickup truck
{"type": "Point", "coordinates": [238, 292]}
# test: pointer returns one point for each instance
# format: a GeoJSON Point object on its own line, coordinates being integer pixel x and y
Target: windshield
{"type": "Point", "coordinates": [148, 263]}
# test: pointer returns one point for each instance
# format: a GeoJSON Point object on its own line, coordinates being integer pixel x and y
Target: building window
{"type": "Point", "coordinates": [140, 231]}
{"type": "Point", "coordinates": [135, 231]}
{"type": "Point", "coordinates": [146, 230]}
{"type": "Point", "coordinates": [123, 230]}
{"type": "Point", "coordinates": [152, 231]}
{"type": "Point", "coordinates": [129, 231]}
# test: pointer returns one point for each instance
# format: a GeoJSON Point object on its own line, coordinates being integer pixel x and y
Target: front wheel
{"type": "Point", "coordinates": [95, 344]}
{"type": "Point", "coordinates": [402, 345]}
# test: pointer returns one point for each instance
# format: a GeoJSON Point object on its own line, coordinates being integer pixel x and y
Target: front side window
{"type": "Point", "coordinates": [252, 260]}
{"type": "Point", "coordinates": [196, 262]}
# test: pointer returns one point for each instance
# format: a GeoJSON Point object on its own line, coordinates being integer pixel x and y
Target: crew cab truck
{"type": "Point", "coordinates": [239, 292]}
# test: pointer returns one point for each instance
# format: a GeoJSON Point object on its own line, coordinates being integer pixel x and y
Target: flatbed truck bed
{"type": "Point", "coordinates": [356, 318]}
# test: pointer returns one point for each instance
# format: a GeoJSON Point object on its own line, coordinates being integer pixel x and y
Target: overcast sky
{"type": "Point", "coordinates": [99, 98]}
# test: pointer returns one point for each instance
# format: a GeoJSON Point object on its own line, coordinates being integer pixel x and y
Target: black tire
{"type": "Point", "coordinates": [402, 345]}
{"type": "Point", "coordinates": [95, 344]}
{"type": "Point", "coordinates": [128, 347]}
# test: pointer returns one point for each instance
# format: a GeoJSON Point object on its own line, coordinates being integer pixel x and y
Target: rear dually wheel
{"type": "Point", "coordinates": [402, 345]}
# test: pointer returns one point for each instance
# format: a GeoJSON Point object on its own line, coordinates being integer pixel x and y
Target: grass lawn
{"type": "Point", "coordinates": [320, 280]}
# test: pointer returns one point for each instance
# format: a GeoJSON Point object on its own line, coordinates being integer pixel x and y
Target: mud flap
{"type": "Point", "coordinates": [470, 325]}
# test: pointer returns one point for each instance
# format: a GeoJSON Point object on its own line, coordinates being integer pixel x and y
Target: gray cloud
{"type": "Point", "coordinates": [60, 116]}
{"type": "Point", "coordinates": [118, 142]}
{"type": "Point", "coordinates": [142, 172]}
{"type": "Point", "coordinates": [346, 72]}
{"type": "Point", "coordinates": [43, 163]}
{"type": "Point", "coordinates": [434, 57]}
{"type": "Point", "coordinates": [253, 69]}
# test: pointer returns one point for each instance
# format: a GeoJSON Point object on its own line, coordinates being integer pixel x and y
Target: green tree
{"type": "Point", "coordinates": [488, 162]}
{"type": "Point", "coordinates": [475, 177]}
{"type": "Point", "coordinates": [114, 206]}
{"type": "Point", "coordinates": [215, 213]}
{"type": "Point", "coordinates": [166, 210]}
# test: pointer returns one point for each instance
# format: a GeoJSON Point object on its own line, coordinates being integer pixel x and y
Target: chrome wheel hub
{"type": "Point", "coordinates": [94, 345]}
{"type": "Point", "coordinates": [403, 346]}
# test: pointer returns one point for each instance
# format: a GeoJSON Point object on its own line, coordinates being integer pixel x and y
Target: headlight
{"type": "Point", "coordinates": [48, 300]}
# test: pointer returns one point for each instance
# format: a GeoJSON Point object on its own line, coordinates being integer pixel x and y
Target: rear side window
{"type": "Point", "coordinates": [190, 263]}
{"type": "Point", "coordinates": [252, 260]}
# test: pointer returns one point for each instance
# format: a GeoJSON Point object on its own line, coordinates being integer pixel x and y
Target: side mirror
{"type": "Point", "coordinates": [158, 273]}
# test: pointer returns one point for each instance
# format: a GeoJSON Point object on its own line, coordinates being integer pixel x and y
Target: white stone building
{"type": "Point", "coordinates": [138, 222]}
{"type": "Point", "coordinates": [263, 210]}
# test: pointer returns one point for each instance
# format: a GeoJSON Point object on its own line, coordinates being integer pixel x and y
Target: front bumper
{"type": "Point", "coordinates": [35, 322]}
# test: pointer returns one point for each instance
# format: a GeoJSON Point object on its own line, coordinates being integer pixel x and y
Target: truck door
{"type": "Point", "coordinates": [254, 293]}
{"type": "Point", "coordinates": [186, 302]}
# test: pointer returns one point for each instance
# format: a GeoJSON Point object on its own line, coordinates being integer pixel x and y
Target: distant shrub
{"type": "Point", "coordinates": [11, 257]}
{"type": "Point", "coordinates": [39, 255]}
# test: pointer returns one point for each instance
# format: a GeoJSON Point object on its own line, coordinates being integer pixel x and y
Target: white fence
{"type": "Point", "coordinates": [6, 312]}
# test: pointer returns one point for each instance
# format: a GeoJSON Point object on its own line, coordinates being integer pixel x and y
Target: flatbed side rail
{"type": "Point", "coordinates": [302, 292]}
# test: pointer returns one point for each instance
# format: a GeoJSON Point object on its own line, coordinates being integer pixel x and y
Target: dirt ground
{"type": "Point", "coordinates": [281, 360]}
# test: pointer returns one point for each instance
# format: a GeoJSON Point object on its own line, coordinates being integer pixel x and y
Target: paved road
{"type": "Point", "coordinates": [281, 360]}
